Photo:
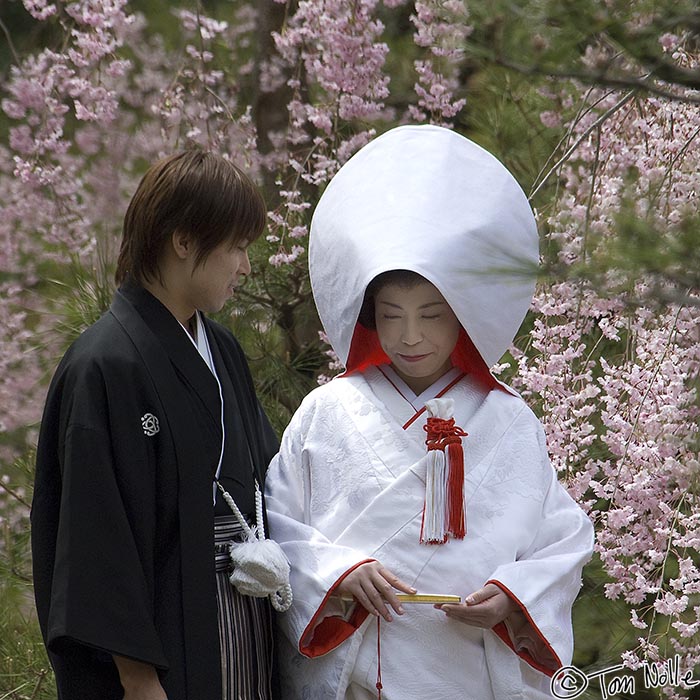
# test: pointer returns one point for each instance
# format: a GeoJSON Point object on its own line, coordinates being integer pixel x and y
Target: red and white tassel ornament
{"type": "Point", "coordinates": [444, 513]}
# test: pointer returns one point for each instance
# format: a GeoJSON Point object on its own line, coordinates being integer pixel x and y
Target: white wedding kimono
{"type": "Point", "coordinates": [349, 485]}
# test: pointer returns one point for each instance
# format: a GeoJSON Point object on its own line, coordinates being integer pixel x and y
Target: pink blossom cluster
{"type": "Point", "coordinates": [336, 44]}
{"type": "Point", "coordinates": [16, 384]}
{"type": "Point", "coordinates": [40, 9]}
{"type": "Point", "coordinates": [60, 100]}
{"type": "Point", "coordinates": [201, 103]}
{"type": "Point", "coordinates": [441, 29]}
{"type": "Point", "coordinates": [335, 366]}
{"type": "Point", "coordinates": [334, 59]}
{"type": "Point", "coordinates": [617, 386]}
{"type": "Point", "coordinates": [61, 105]}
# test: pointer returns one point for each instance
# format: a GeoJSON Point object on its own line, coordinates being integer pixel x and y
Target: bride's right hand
{"type": "Point", "coordinates": [373, 587]}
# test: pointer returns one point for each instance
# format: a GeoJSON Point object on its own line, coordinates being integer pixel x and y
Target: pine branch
{"type": "Point", "coordinates": [626, 82]}
{"type": "Point", "coordinates": [14, 495]}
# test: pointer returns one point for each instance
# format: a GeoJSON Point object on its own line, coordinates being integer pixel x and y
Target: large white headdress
{"type": "Point", "coordinates": [426, 199]}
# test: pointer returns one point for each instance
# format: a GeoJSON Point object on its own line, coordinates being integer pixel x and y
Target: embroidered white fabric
{"type": "Point", "coordinates": [349, 483]}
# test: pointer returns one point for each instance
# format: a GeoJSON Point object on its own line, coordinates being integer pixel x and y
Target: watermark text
{"type": "Point", "coordinates": [571, 682]}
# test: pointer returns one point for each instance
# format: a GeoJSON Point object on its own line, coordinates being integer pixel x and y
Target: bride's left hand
{"type": "Point", "coordinates": [484, 608]}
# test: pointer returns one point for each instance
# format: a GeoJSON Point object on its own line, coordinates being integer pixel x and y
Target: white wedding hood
{"type": "Point", "coordinates": [426, 199]}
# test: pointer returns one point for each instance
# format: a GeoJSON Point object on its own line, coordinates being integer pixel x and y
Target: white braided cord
{"type": "Point", "coordinates": [282, 598]}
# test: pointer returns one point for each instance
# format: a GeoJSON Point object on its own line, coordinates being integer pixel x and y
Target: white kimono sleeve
{"type": "Point", "coordinates": [317, 622]}
{"type": "Point", "coordinates": [546, 579]}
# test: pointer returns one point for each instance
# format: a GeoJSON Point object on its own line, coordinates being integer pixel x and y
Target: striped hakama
{"type": "Point", "coordinates": [245, 626]}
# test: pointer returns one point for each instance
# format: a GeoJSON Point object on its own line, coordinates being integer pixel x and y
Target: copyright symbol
{"type": "Point", "coordinates": [568, 682]}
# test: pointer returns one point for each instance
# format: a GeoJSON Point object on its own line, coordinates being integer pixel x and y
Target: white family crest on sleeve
{"type": "Point", "coordinates": [150, 424]}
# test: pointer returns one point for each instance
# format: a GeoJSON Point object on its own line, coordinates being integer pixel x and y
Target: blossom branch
{"type": "Point", "coordinates": [582, 137]}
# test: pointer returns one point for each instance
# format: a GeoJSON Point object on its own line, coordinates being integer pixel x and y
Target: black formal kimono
{"type": "Point", "coordinates": [122, 517]}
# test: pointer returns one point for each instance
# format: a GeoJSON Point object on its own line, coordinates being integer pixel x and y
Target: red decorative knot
{"type": "Point", "coordinates": [442, 432]}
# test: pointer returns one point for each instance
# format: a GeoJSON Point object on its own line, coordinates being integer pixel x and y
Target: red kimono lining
{"type": "Point", "coordinates": [317, 640]}
{"type": "Point", "coordinates": [502, 632]}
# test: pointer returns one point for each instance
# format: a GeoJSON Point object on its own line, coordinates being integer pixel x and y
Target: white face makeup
{"type": "Point", "coordinates": [417, 330]}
